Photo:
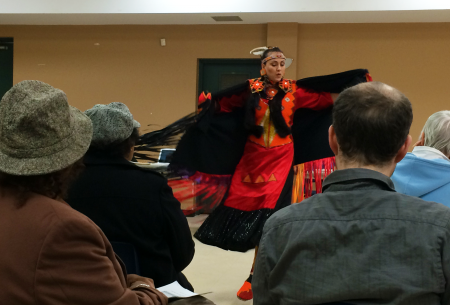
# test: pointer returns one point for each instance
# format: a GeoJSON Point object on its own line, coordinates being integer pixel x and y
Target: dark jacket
{"type": "Point", "coordinates": [53, 255]}
{"type": "Point", "coordinates": [359, 242]}
{"type": "Point", "coordinates": [134, 205]}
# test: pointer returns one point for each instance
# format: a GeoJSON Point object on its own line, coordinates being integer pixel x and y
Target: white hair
{"type": "Point", "coordinates": [437, 132]}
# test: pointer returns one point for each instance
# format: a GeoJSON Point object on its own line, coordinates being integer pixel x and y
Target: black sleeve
{"type": "Point", "coordinates": [215, 143]}
{"type": "Point", "coordinates": [335, 83]}
{"type": "Point", "coordinates": [177, 232]}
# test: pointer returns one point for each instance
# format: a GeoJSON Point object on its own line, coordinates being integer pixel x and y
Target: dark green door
{"type": "Point", "coordinates": [218, 74]}
{"type": "Point", "coordinates": [6, 64]}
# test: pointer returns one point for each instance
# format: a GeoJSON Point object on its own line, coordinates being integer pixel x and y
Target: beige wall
{"type": "Point", "coordinates": [415, 58]}
{"type": "Point", "coordinates": [159, 84]}
{"type": "Point", "coordinates": [285, 36]}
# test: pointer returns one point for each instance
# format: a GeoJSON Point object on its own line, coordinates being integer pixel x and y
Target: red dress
{"type": "Point", "coordinates": [252, 176]}
{"type": "Point", "coordinates": [262, 172]}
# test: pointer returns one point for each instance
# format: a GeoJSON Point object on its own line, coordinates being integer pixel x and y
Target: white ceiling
{"type": "Point", "coordinates": [96, 12]}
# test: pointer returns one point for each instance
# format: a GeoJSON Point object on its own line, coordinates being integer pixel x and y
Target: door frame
{"type": "Point", "coordinates": [10, 42]}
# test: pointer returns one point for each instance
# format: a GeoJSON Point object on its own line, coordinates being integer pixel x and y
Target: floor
{"type": "Point", "coordinates": [217, 271]}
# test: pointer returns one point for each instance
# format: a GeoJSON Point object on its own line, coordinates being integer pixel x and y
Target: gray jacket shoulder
{"type": "Point", "coordinates": [389, 205]}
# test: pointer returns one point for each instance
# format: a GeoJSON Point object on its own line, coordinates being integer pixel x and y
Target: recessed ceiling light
{"type": "Point", "coordinates": [226, 18]}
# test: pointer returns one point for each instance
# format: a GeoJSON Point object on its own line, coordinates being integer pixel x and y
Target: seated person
{"type": "Point", "coordinates": [359, 242]}
{"type": "Point", "coordinates": [52, 254]}
{"type": "Point", "coordinates": [425, 173]}
{"type": "Point", "coordinates": [131, 204]}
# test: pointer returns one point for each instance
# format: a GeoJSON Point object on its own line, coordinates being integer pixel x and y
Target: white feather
{"type": "Point", "coordinates": [258, 51]}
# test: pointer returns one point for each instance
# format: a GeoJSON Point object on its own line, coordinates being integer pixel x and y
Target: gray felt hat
{"type": "Point", "coordinates": [113, 123]}
{"type": "Point", "coordinates": [39, 132]}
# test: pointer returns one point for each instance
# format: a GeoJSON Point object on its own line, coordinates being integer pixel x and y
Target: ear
{"type": "Point", "coordinates": [422, 139]}
{"type": "Point", "coordinates": [332, 140]}
{"type": "Point", "coordinates": [263, 65]}
{"type": "Point", "coordinates": [403, 150]}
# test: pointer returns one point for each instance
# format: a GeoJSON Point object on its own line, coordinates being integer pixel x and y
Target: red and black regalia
{"type": "Point", "coordinates": [244, 145]}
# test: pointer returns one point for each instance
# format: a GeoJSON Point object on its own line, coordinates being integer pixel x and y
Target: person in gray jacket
{"type": "Point", "coordinates": [359, 242]}
{"type": "Point", "coordinates": [425, 172]}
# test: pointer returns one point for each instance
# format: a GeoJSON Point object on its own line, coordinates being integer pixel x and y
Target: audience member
{"type": "Point", "coordinates": [425, 172]}
{"type": "Point", "coordinates": [359, 242]}
{"type": "Point", "coordinates": [131, 204]}
{"type": "Point", "coordinates": [52, 254]}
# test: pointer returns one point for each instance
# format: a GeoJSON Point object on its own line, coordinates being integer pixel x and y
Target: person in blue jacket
{"type": "Point", "coordinates": [425, 172]}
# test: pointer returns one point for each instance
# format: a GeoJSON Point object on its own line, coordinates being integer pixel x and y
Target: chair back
{"type": "Point", "coordinates": [128, 255]}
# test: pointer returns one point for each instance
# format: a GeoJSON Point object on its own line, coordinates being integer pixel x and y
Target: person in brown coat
{"type": "Point", "coordinates": [52, 254]}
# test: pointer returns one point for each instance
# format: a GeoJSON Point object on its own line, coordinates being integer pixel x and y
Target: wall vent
{"type": "Point", "coordinates": [226, 18]}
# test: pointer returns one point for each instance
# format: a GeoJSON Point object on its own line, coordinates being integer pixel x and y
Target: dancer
{"type": "Point", "coordinates": [260, 184]}
{"type": "Point", "coordinates": [243, 141]}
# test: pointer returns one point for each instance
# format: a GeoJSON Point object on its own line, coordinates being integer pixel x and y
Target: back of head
{"type": "Point", "coordinates": [371, 121]}
{"type": "Point", "coordinates": [115, 130]}
{"type": "Point", "coordinates": [437, 132]}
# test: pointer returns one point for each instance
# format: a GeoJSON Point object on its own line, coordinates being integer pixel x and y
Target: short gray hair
{"type": "Point", "coordinates": [437, 131]}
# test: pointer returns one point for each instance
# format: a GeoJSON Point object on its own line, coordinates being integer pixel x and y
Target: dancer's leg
{"type": "Point", "coordinates": [246, 293]}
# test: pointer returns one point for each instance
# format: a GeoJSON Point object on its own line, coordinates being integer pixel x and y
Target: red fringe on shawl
{"type": "Point", "coordinates": [207, 191]}
{"type": "Point", "coordinates": [309, 177]}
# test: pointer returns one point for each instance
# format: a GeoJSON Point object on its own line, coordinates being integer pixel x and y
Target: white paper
{"type": "Point", "coordinates": [175, 290]}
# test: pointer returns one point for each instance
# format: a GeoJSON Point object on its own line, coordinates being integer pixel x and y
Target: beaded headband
{"type": "Point", "coordinates": [259, 51]}
{"type": "Point", "coordinates": [277, 55]}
